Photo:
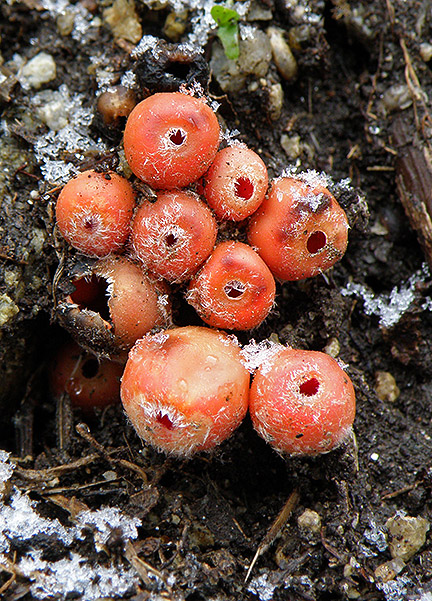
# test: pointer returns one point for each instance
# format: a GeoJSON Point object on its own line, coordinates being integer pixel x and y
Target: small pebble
{"type": "Point", "coordinates": [123, 21]}
{"type": "Point", "coordinates": [39, 70]}
{"type": "Point", "coordinates": [310, 520]}
{"type": "Point", "coordinates": [276, 97]}
{"type": "Point", "coordinates": [406, 535]}
{"type": "Point", "coordinates": [386, 388]}
{"type": "Point", "coordinates": [389, 569]}
{"type": "Point", "coordinates": [282, 56]}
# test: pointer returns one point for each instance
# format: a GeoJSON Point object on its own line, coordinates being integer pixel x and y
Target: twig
{"type": "Point", "coordinates": [275, 529]}
{"type": "Point", "coordinates": [84, 432]}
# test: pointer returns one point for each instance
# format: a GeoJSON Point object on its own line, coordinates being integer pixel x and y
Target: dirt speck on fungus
{"type": "Point", "coordinates": [87, 511]}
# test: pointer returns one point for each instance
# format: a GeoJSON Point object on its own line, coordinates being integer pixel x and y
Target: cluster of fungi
{"type": "Point", "coordinates": [185, 389]}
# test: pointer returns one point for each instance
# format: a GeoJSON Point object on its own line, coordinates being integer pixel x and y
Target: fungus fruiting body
{"type": "Point", "coordinates": [171, 139]}
{"type": "Point", "coordinates": [173, 236]}
{"type": "Point", "coordinates": [299, 230]}
{"type": "Point", "coordinates": [116, 104]}
{"type": "Point", "coordinates": [234, 289]}
{"type": "Point", "coordinates": [113, 305]}
{"type": "Point", "coordinates": [136, 303]}
{"type": "Point", "coordinates": [94, 211]}
{"type": "Point", "coordinates": [88, 381]}
{"type": "Point", "coordinates": [302, 402]}
{"type": "Point", "coordinates": [185, 390]}
{"type": "Point", "coordinates": [236, 183]}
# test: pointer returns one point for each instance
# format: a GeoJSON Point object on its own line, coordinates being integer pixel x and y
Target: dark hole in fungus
{"type": "Point", "coordinates": [177, 137]}
{"type": "Point", "coordinates": [309, 387]}
{"type": "Point", "coordinates": [179, 69]}
{"type": "Point", "coordinates": [234, 289]}
{"type": "Point", "coordinates": [171, 239]}
{"type": "Point", "coordinates": [90, 368]}
{"type": "Point", "coordinates": [164, 420]}
{"type": "Point", "coordinates": [316, 242]}
{"type": "Point", "coordinates": [91, 293]}
{"type": "Point", "coordinates": [90, 224]}
{"type": "Point", "coordinates": [299, 435]}
{"type": "Point", "coordinates": [243, 188]}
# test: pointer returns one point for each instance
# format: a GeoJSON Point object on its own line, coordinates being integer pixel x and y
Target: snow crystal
{"type": "Point", "coordinates": [147, 42]}
{"type": "Point", "coordinates": [74, 575]}
{"type": "Point", "coordinates": [262, 587]}
{"type": "Point", "coordinates": [83, 19]}
{"type": "Point", "coordinates": [72, 139]}
{"type": "Point", "coordinates": [376, 536]}
{"type": "Point", "coordinates": [105, 520]}
{"type": "Point", "coordinates": [258, 354]}
{"type": "Point", "coordinates": [311, 177]}
{"type": "Point", "coordinates": [129, 80]}
{"type": "Point", "coordinates": [394, 590]}
{"type": "Point", "coordinates": [6, 468]}
{"type": "Point", "coordinates": [388, 307]}
{"type": "Point", "coordinates": [20, 521]}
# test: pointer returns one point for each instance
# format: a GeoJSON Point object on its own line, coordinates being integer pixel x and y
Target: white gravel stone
{"type": "Point", "coordinates": [39, 70]}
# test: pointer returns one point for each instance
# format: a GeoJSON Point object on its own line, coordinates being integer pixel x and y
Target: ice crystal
{"type": "Point", "coordinates": [261, 587]}
{"type": "Point", "coordinates": [20, 521]}
{"type": "Point", "coordinates": [147, 42]}
{"type": "Point", "coordinates": [395, 590]}
{"type": "Point", "coordinates": [71, 140]}
{"type": "Point", "coordinates": [376, 536]}
{"type": "Point", "coordinates": [388, 307]}
{"type": "Point", "coordinates": [258, 354]}
{"type": "Point", "coordinates": [105, 520]}
{"type": "Point", "coordinates": [74, 575]}
{"type": "Point", "coordinates": [129, 80]}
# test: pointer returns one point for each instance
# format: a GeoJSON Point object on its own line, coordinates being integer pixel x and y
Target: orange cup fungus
{"type": "Point", "coordinates": [299, 230]}
{"type": "Point", "coordinates": [186, 389]}
{"type": "Point", "coordinates": [302, 402]}
{"type": "Point", "coordinates": [171, 139]}
{"type": "Point", "coordinates": [94, 211]}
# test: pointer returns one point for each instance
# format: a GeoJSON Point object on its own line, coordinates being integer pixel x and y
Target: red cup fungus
{"type": "Point", "coordinates": [88, 381]}
{"type": "Point", "coordinates": [171, 139]}
{"type": "Point", "coordinates": [234, 289]}
{"type": "Point", "coordinates": [185, 390]}
{"type": "Point", "coordinates": [302, 402]}
{"type": "Point", "coordinates": [94, 211]}
{"type": "Point", "coordinates": [113, 305]}
{"type": "Point", "coordinates": [299, 230]}
{"type": "Point", "coordinates": [173, 236]}
{"type": "Point", "coordinates": [236, 183]}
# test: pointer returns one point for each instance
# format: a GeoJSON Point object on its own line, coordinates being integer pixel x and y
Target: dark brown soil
{"type": "Point", "coordinates": [203, 520]}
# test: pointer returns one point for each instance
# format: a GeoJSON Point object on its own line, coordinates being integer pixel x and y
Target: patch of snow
{"type": "Point", "coordinates": [83, 19]}
{"type": "Point", "coordinates": [389, 307]}
{"type": "Point", "coordinates": [20, 521]}
{"type": "Point", "coordinates": [261, 587]}
{"type": "Point", "coordinates": [259, 354]}
{"type": "Point", "coordinates": [394, 590]}
{"type": "Point", "coordinates": [73, 139]}
{"type": "Point", "coordinates": [75, 575]}
{"type": "Point", "coordinates": [6, 468]}
{"type": "Point", "coordinates": [104, 521]}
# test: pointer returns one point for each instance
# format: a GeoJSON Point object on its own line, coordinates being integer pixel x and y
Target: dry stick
{"type": "Point", "coordinates": [414, 182]}
{"type": "Point", "coordinates": [142, 567]}
{"type": "Point", "coordinates": [275, 529]}
{"type": "Point", "coordinates": [84, 431]}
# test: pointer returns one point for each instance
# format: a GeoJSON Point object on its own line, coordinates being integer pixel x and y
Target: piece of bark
{"type": "Point", "coordinates": [414, 181]}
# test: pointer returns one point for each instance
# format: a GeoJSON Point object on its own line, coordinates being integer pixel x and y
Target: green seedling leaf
{"type": "Point", "coordinates": [226, 19]}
